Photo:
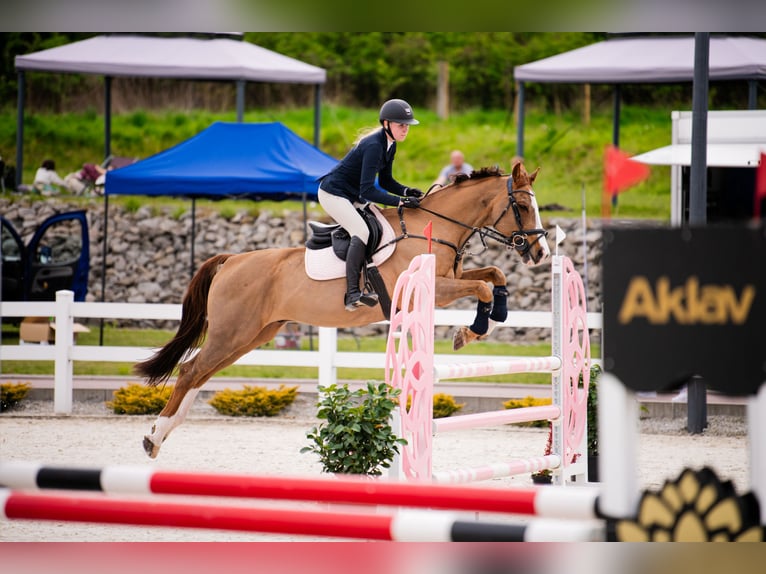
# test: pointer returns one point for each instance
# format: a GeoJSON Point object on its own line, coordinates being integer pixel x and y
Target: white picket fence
{"type": "Point", "coordinates": [326, 358]}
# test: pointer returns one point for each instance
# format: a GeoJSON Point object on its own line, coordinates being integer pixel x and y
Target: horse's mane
{"type": "Point", "coordinates": [479, 174]}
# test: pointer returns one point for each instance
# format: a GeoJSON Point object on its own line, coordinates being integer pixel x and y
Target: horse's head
{"type": "Point", "coordinates": [519, 218]}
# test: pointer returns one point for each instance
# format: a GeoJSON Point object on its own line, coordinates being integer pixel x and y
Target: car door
{"type": "Point", "coordinates": [57, 257]}
{"type": "Point", "coordinates": [13, 254]}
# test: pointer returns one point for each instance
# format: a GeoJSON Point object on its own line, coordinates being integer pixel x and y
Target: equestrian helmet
{"type": "Point", "coordinates": [398, 111]}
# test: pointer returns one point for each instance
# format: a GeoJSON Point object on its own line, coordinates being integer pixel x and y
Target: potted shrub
{"type": "Point", "coordinates": [545, 476]}
{"type": "Point", "coordinates": [355, 436]}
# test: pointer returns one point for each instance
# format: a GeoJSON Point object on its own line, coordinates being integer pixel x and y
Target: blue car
{"type": "Point", "coordinates": [57, 257]}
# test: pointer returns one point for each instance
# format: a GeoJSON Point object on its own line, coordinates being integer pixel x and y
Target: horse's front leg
{"type": "Point", "coordinates": [499, 312]}
{"type": "Point", "coordinates": [448, 290]}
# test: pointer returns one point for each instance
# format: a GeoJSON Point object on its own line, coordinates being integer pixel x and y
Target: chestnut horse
{"type": "Point", "coordinates": [237, 303]}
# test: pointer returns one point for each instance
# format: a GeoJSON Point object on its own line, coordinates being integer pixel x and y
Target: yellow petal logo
{"type": "Point", "coordinates": [697, 507]}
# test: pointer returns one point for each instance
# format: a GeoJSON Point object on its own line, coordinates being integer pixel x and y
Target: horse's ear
{"type": "Point", "coordinates": [533, 175]}
{"type": "Point", "coordinates": [516, 170]}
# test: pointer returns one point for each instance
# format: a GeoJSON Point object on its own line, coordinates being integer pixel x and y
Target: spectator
{"type": "Point", "coordinates": [83, 181]}
{"type": "Point", "coordinates": [47, 181]}
{"type": "Point", "coordinates": [457, 165]}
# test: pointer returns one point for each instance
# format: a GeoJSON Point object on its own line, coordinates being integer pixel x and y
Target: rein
{"type": "Point", "coordinates": [518, 240]}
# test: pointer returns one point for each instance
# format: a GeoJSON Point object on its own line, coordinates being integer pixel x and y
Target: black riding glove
{"type": "Point", "coordinates": [410, 202]}
{"type": "Point", "coordinates": [412, 192]}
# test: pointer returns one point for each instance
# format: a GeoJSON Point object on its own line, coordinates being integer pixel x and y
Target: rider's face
{"type": "Point", "coordinates": [400, 131]}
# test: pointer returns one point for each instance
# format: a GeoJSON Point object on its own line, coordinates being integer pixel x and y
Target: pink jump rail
{"type": "Point", "coordinates": [410, 367]}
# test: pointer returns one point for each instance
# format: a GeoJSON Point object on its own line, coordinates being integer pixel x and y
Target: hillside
{"type": "Point", "coordinates": [569, 152]}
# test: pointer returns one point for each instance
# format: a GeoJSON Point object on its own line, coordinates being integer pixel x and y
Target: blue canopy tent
{"type": "Point", "coordinates": [254, 161]}
{"type": "Point", "coordinates": [226, 160]}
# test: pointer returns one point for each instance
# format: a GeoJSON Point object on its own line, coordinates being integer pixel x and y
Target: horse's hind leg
{"type": "Point", "coordinates": [176, 409]}
{"type": "Point", "coordinates": [192, 375]}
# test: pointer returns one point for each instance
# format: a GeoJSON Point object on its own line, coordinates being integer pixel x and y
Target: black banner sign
{"type": "Point", "coordinates": [684, 302]}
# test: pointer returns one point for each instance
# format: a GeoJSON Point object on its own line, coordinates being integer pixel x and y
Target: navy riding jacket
{"type": "Point", "coordinates": [354, 176]}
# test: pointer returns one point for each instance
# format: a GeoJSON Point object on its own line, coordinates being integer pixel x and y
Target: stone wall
{"type": "Point", "coordinates": [149, 252]}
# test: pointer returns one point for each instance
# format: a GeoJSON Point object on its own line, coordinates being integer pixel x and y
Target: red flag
{"type": "Point", "coordinates": [427, 231]}
{"type": "Point", "coordinates": [760, 186]}
{"type": "Point", "coordinates": [620, 173]}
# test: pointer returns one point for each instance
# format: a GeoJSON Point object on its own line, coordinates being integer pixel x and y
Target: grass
{"type": "Point", "coordinates": [569, 152]}
{"type": "Point", "coordinates": [155, 338]}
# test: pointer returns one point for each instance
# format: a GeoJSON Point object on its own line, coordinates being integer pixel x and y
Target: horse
{"type": "Point", "coordinates": [238, 302]}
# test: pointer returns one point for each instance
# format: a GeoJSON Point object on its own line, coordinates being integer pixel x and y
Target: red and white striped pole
{"type": "Point", "coordinates": [572, 503]}
{"type": "Point", "coordinates": [404, 526]}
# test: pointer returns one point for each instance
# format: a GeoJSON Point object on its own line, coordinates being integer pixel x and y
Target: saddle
{"type": "Point", "coordinates": [323, 235]}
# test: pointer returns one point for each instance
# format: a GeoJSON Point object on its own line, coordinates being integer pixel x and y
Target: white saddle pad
{"type": "Point", "coordinates": [323, 264]}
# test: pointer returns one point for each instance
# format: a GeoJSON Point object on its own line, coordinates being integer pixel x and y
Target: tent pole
{"type": "Point", "coordinates": [696, 414]}
{"type": "Point", "coordinates": [107, 153]}
{"type": "Point", "coordinates": [20, 128]}
{"type": "Point", "coordinates": [520, 123]}
{"type": "Point", "coordinates": [103, 266]}
{"type": "Point", "coordinates": [616, 126]}
{"type": "Point", "coordinates": [193, 232]}
{"type": "Point", "coordinates": [107, 116]}
{"type": "Point", "coordinates": [616, 115]}
{"type": "Point", "coordinates": [752, 94]}
{"type": "Point", "coordinates": [317, 113]}
{"type": "Point", "coordinates": [240, 100]}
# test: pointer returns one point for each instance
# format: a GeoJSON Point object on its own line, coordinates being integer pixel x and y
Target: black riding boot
{"type": "Point", "coordinates": [354, 261]}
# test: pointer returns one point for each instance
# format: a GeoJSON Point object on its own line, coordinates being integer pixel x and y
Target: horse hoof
{"type": "Point", "coordinates": [150, 448]}
{"type": "Point", "coordinates": [462, 337]}
{"type": "Point", "coordinates": [459, 339]}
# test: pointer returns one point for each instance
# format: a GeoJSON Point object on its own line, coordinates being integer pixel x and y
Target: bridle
{"type": "Point", "coordinates": [518, 240]}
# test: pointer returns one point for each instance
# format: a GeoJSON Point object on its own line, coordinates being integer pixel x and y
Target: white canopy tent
{"type": "Point", "coordinates": [735, 139]}
{"type": "Point", "coordinates": [655, 59]}
{"type": "Point", "coordinates": [167, 57]}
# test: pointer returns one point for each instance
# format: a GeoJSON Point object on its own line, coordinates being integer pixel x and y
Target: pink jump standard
{"type": "Point", "coordinates": [410, 367]}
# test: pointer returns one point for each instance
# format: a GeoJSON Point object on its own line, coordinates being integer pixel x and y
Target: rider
{"type": "Point", "coordinates": [351, 185]}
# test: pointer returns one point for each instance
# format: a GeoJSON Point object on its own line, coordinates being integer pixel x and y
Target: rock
{"type": "Point", "coordinates": [148, 253]}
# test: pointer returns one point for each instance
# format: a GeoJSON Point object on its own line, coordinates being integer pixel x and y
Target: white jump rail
{"type": "Point", "coordinates": [327, 359]}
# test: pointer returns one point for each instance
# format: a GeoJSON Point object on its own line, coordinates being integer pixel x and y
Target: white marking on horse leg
{"type": "Point", "coordinates": [491, 327]}
{"type": "Point", "coordinates": [163, 425]}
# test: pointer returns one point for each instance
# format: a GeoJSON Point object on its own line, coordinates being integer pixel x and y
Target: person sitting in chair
{"type": "Point", "coordinates": [351, 185]}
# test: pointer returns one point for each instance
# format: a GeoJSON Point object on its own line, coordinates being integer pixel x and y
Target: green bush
{"type": "Point", "coordinates": [133, 204]}
{"type": "Point", "coordinates": [11, 394]}
{"type": "Point", "coordinates": [135, 399]}
{"type": "Point", "coordinates": [356, 436]}
{"type": "Point", "coordinates": [253, 401]}
{"type": "Point", "coordinates": [528, 401]}
{"type": "Point", "coordinates": [445, 405]}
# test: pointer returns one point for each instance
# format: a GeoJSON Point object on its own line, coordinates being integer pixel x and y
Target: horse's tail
{"type": "Point", "coordinates": [158, 368]}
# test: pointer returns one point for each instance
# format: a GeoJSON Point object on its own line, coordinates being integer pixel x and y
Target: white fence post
{"type": "Point", "coordinates": [328, 349]}
{"type": "Point", "coordinates": [62, 379]}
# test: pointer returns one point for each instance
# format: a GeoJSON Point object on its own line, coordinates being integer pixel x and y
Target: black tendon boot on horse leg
{"type": "Point", "coordinates": [354, 261]}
